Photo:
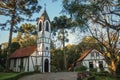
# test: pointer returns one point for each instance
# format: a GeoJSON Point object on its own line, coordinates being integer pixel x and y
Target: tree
{"type": "Point", "coordinates": [16, 11]}
{"type": "Point", "coordinates": [105, 14]}
{"type": "Point", "coordinates": [108, 39]}
{"type": "Point", "coordinates": [87, 11]}
{"type": "Point", "coordinates": [15, 46]}
{"type": "Point", "coordinates": [61, 23]}
{"type": "Point", "coordinates": [26, 35]}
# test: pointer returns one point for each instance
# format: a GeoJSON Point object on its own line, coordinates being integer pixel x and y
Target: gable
{"type": "Point", "coordinates": [88, 55]}
{"type": "Point", "coordinates": [94, 54]}
{"type": "Point", "coordinates": [23, 52]}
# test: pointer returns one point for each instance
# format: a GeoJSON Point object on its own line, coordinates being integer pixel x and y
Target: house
{"type": "Point", "coordinates": [34, 58]}
{"type": "Point", "coordinates": [23, 60]}
{"type": "Point", "coordinates": [93, 60]}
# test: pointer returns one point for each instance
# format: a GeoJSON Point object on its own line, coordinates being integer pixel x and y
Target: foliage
{"type": "Point", "coordinates": [16, 11]}
{"type": "Point", "coordinates": [57, 56]}
{"type": "Point", "coordinates": [101, 18]}
{"type": "Point", "coordinates": [60, 24]}
{"type": "Point", "coordinates": [1, 68]}
{"type": "Point", "coordinates": [53, 68]}
{"type": "Point", "coordinates": [26, 35]}
{"type": "Point", "coordinates": [15, 46]}
{"type": "Point", "coordinates": [104, 78]}
{"type": "Point", "coordinates": [96, 11]}
{"type": "Point", "coordinates": [81, 68]}
{"type": "Point", "coordinates": [93, 70]}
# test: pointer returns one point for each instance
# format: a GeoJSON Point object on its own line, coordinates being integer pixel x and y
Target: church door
{"type": "Point", "coordinates": [46, 68]}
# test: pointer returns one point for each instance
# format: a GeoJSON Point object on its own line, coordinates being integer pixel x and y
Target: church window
{"type": "Point", "coordinates": [40, 26]}
{"type": "Point", "coordinates": [47, 26]}
{"type": "Point", "coordinates": [46, 48]}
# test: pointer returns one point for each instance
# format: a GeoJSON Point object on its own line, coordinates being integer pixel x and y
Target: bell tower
{"type": "Point", "coordinates": [43, 41]}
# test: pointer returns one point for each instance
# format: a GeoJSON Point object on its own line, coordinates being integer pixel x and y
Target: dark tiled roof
{"type": "Point", "coordinates": [23, 52]}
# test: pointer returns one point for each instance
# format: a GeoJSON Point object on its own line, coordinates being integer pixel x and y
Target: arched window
{"type": "Point", "coordinates": [40, 26]}
{"type": "Point", "coordinates": [47, 26]}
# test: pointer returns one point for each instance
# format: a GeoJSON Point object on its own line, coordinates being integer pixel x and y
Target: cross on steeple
{"type": "Point", "coordinates": [45, 6]}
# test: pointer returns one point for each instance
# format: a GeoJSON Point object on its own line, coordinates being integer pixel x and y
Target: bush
{"type": "Point", "coordinates": [81, 68]}
{"type": "Point", "coordinates": [93, 70]}
{"type": "Point", "coordinates": [53, 69]}
{"type": "Point", "coordinates": [1, 68]}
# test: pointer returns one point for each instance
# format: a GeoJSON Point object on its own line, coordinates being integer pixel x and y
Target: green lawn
{"type": "Point", "coordinates": [4, 76]}
{"type": "Point", "coordinates": [13, 76]}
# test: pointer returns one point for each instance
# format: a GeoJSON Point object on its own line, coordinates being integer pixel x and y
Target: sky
{"type": "Point", "coordinates": [53, 9]}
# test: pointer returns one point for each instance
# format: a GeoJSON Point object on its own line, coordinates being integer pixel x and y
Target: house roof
{"type": "Point", "coordinates": [84, 55]}
{"type": "Point", "coordinates": [23, 52]}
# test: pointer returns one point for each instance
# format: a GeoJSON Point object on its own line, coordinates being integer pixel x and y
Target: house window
{"type": "Point", "coordinates": [101, 64]}
{"type": "Point", "coordinates": [40, 26]}
{"type": "Point", "coordinates": [97, 54]}
{"type": "Point", "coordinates": [92, 54]}
{"type": "Point", "coordinates": [91, 65]}
{"type": "Point", "coordinates": [47, 26]}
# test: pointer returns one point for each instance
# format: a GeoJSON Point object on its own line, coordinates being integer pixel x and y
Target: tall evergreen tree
{"type": "Point", "coordinates": [60, 24]}
{"type": "Point", "coordinates": [16, 11]}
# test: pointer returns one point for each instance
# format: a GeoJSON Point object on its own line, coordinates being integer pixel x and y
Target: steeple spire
{"type": "Point", "coordinates": [44, 15]}
{"type": "Point", "coordinates": [44, 6]}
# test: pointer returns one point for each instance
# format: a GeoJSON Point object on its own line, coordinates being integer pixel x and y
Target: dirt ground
{"type": "Point", "coordinates": [52, 76]}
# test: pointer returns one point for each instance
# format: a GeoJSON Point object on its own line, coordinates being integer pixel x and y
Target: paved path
{"type": "Point", "coordinates": [52, 76]}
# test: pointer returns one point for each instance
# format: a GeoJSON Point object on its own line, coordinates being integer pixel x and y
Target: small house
{"type": "Point", "coordinates": [93, 60]}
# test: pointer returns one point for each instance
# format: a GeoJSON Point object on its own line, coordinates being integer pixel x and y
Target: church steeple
{"type": "Point", "coordinates": [44, 41]}
{"type": "Point", "coordinates": [44, 16]}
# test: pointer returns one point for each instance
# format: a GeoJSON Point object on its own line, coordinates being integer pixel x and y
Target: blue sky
{"type": "Point", "coordinates": [53, 9]}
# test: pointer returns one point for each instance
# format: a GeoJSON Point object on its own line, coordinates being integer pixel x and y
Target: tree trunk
{"type": "Point", "coordinates": [9, 48]}
{"type": "Point", "coordinates": [113, 67]}
{"type": "Point", "coordinates": [65, 64]}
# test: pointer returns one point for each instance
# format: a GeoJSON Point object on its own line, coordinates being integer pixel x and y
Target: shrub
{"type": "Point", "coordinates": [1, 68]}
{"type": "Point", "coordinates": [93, 70]}
{"type": "Point", "coordinates": [53, 69]}
{"type": "Point", "coordinates": [81, 68]}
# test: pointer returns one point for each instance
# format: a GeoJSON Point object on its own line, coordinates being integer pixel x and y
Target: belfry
{"type": "Point", "coordinates": [43, 41]}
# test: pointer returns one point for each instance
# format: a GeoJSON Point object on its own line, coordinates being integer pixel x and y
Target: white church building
{"type": "Point", "coordinates": [34, 58]}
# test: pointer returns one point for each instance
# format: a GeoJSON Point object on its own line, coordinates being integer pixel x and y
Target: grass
{"type": "Point", "coordinates": [13, 76]}
{"type": "Point", "coordinates": [4, 76]}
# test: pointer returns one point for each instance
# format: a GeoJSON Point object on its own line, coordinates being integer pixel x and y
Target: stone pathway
{"type": "Point", "coordinates": [52, 76]}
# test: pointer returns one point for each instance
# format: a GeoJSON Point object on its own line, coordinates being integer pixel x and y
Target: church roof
{"type": "Point", "coordinates": [23, 52]}
{"type": "Point", "coordinates": [44, 16]}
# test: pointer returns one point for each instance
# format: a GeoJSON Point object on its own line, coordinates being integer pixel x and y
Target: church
{"type": "Point", "coordinates": [35, 58]}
